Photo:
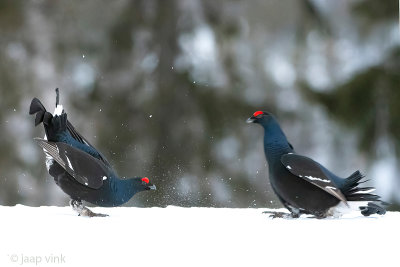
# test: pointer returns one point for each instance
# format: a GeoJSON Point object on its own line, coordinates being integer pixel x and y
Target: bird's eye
{"type": "Point", "coordinates": [146, 180]}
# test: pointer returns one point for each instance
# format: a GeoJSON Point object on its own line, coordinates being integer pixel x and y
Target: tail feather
{"type": "Point", "coordinates": [53, 125]}
{"type": "Point", "coordinates": [38, 108]}
{"type": "Point", "coordinates": [373, 208]}
{"type": "Point", "coordinates": [47, 117]}
{"type": "Point", "coordinates": [354, 193]}
{"type": "Point", "coordinates": [352, 182]}
{"type": "Point", "coordinates": [362, 197]}
{"type": "Point", "coordinates": [39, 117]}
{"type": "Point", "coordinates": [361, 190]}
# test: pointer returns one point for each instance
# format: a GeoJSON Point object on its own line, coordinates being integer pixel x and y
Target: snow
{"type": "Point", "coordinates": [174, 236]}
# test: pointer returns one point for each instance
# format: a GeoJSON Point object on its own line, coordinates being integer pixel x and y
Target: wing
{"type": "Point", "coordinates": [312, 172]}
{"type": "Point", "coordinates": [83, 167]}
{"type": "Point", "coordinates": [78, 137]}
{"type": "Point", "coordinates": [290, 145]}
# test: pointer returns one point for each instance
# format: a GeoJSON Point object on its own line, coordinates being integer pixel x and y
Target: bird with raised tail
{"type": "Point", "coordinates": [306, 187]}
{"type": "Point", "coordinates": [78, 168]}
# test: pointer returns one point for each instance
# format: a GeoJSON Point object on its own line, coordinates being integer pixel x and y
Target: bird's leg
{"type": "Point", "coordinates": [284, 215]}
{"type": "Point", "coordinates": [82, 210]}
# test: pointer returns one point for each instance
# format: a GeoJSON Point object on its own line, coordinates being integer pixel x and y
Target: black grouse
{"type": "Point", "coordinates": [306, 187]}
{"type": "Point", "coordinates": [78, 168]}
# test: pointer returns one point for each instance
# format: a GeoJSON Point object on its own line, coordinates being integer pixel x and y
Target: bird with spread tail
{"type": "Point", "coordinates": [306, 187]}
{"type": "Point", "coordinates": [78, 168]}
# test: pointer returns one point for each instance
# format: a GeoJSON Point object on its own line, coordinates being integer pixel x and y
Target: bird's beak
{"type": "Point", "coordinates": [152, 187]}
{"type": "Point", "coordinates": [251, 119]}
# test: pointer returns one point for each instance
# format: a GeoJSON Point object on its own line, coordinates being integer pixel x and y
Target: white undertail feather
{"type": "Point", "coordinates": [341, 208]}
{"type": "Point", "coordinates": [58, 111]}
{"type": "Point", "coordinates": [49, 159]}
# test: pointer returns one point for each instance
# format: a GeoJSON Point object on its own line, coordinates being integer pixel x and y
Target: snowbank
{"type": "Point", "coordinates": [55, 236]}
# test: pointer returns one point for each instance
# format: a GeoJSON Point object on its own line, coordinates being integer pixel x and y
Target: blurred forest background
{"type": "Point", "coordinates": [163, 89]}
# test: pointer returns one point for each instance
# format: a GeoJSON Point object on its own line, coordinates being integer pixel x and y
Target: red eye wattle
{"type": "Point", "coordinates": [146, 180]}
{"type": "Point", "coordinates": [258, 113]}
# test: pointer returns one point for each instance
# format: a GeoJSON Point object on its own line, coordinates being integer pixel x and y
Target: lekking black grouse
{"type": "Point", "coordinates": [77, 167]}
{"type": "Point", "coordinates": [306, 187]}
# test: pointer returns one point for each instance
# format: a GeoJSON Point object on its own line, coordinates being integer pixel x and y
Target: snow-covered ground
{"type": "Point", "coordinates": [174, 236]}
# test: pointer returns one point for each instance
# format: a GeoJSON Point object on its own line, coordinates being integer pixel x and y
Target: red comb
{"type": "Point", "coordinates": [257, 113]}
{"type": "Point", "coordinates": [146, 180]}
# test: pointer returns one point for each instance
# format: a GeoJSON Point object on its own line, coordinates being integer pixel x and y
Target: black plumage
{"type": "Point", "coordinates": [78, 168]}
{"type": "Point", "coordinates": [303, 185]}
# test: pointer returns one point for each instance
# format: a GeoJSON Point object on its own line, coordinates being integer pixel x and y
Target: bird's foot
{"type": "Point", "coordinates": [323, 217]}
{"type": "Point", "coordinates": [84, 211]}
{"type": "Point", "coordinates": [283, 215]}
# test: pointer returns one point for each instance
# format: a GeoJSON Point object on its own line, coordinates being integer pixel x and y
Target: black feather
{"type": "Point", "coordinates": [39, 117]}
{"type": "Point", "coordinates": [84, 168]}
{"type": "Point", "coordinates": [352, 182]}
{"type": "Point", "coordinates": [354, 193]}
{"type": "Point", "coordinates": [305, 195]}
{"type": "Point", "coordinates": [372, 208]}
{"type": "Point", "coordinates": [47, 118]}
{"type": "Point", "coordinates": [362, 197]}
{"type": "Point", "coordinates": [36, 106]}
{"type": "Point", "coordinates": [58, 125]}
{"type": "Point", "coordinates": [359, 189]}
{"type": "Point", "coordinates": [57, 97]}
{"type": "Point", "coordinates": [310, 171]}
{"type": "Point", "coordinates": [74, 133]}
